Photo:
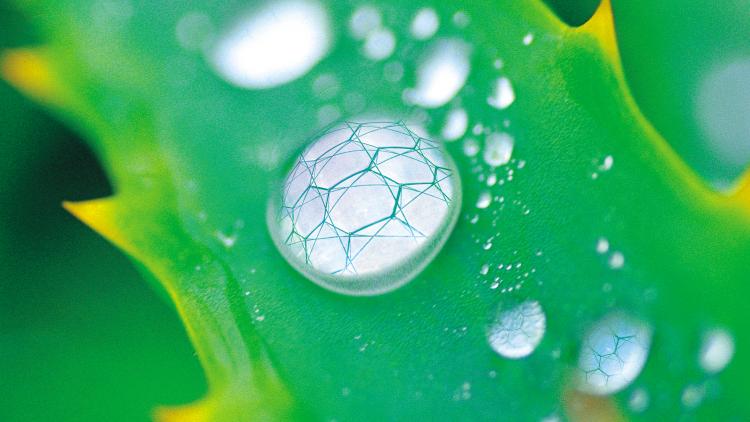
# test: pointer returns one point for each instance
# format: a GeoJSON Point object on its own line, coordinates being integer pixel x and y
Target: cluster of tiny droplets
{"type": "Point", "coordinates": [364, 196]}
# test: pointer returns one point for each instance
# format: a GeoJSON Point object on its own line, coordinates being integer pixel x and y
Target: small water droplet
{"type": "Point", "coordinates": [484, 270]}
{"type": "Point", "coordinates": [275, 45]}
{"type": "Point", "coordinates": [717, 350]}
{"type": "Point", "coordinates": [613, 354]}
{"type": "Point", "coordinates": [607, 163]}
{"type": "Point", "coordinates": [425, 23]}
{"type": "Point", "coordinates": [471, 147]}
{"type": "Point", "coordinates": [194, 31]}
{"type": "Point", "coordinates": [602, 245]}
{"type": "Point", "coordinates": [498, 148]}
{"type": "Point", "coordinates": [379, 44]}
{"type": "Point", "coordinates": [528, 38]}
{"type": "Point", "coordinates": [461, 19]}
{"type": "Point", "coordinates": [616, 260]}
{"type": "Point", "coordinates": [326, 86]}
{"type": "Point", "coordinates": [353, 224]}
{"type": "Point", "coordinates": [638, 401]}
{"type": "Point", "coordinates": [692, 395]}
{"type": "Point", "coordinates": [484, 200]}
{"type": "Point", "coordinates": [363, 21]}
{"type": "Point", "coordinates": [455, 124]}
{"type": "Point", "coordinates": [393, 71]}
{"type": "Point", "coordinates": [441, 74]}
{"type": "Point", "coordinates": [503, 95]}
{"type": "Point", "coordinates": [516, 332]}
{"type": "Point", "coordinates": [491, 180]}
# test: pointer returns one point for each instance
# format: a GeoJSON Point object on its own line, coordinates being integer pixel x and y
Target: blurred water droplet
{"type": "Point", "coordinates": [692, 395]}
{"type": "Point", "coordinates": [379, 44]}
{"type": "Point", "coordinates": [363, 21]}
{"type": "Point", "coordinates": [194, 31]}
{"type": "Point", "coordinates": [498, 148]}
{"type": "Point", "coordinates": [717, 350]}
{"type": "Point", "coordinates": [471, 147]}
{"type": "Point", "coordinates": [274, 46]}
{"type": "Point", "coordinates": [455, 124]}
{"type": "Point", "coordinates": [441, 74]}
{"type": "Point", "coordinates": [425, 23]}
{"type": "Point", "coordinates": [326, 86]}
{"type": "Point", "coordinates": [613, 354]}
{"type": "Point", "coordinates": [502, 95]}
{"type": "Point", "coordinates": [461, 19]}
{"type": "Point", "coordinates": [528, 38]}
{"type": "Point", "coordinates": [393, 71]}
{"type": "Point", "coordinates": [616, 260]}
{"type": "Point", "coordinates": [638, 401]}
{"type": "Point", "coordinates": [516, 332]}
{"type": "Point", "coordinates": [365, 207]}
{"type": "Point", "coordinates": [602, 245]}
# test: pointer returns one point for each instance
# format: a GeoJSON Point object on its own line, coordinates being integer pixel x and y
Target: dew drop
{"type": "Point", "coordinates": [363, 21]}
{"type": "Point", "coordinates": [456, 124]}
{"type": "Point", "coordinates": [638, 401]}
{"type": "Point", "coordinates": [441, 74]}
{"type": "Point", "coordinates": [616, 260]}
{"type": "Point", "coordinates": [276, 45]}
{"type": "Point", "coordinates": [528, 39]}
{"type": "Point", "coordinates": [365, 207]}
{"type": "Point", "coordinates": [484, 200]}
{"type": "Point", "coordinates": [498, 148]}
{"type": "Point", "coordinates": [613, 354]}
{"type": "Point", "coordinates": [693, 395]}
{"type": "Point", "coordinates": [502, 95]}
{"type": "Point", "coordinates": [471, 147]}
{"type": "Point", "coordinates": [602, 245]}
{"type": "Point", "coordinates": [425, 23]}
{"type": "Point", "coordinates": [717, 350]}
{"type": "Point", "coordinates": [516, 332]}
{"type": "Point", "coordinates": [379, 44]}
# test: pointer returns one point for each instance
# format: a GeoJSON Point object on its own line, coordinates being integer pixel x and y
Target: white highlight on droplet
{"type": "Point", "coordinates": [425, 23]}
{"type": "Point", "coordinates": [613, 354]}
{"type": "Point", "coordinates": [516, 332]}
{"type": "Point", "coordinates": [456, 123]}
{"type": "Point", "coordinates": [528, 38]}
{"type": "Point", "coordinates": [484, 200]}
{"type": "Point", "coordinates": [716, 351]}
{"type": "Point", "coordinates": [441, 74]}
{"type": "Point", "coordinates": [502, 95]}
{"type": "Point", "coordinates": [276, 45]}
{"type": "Point", "coordinates": [498, 148]}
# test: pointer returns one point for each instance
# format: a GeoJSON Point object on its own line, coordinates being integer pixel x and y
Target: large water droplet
{"type": "Point", "coordinates": [517, 331]}
{"type": "Point", "coordinates": [613, 354]}
{"type": "Point", "coordinates": [365, 207]}
{"type": "Point", "coordinates": [455, 124]}
{"type": "Point", "coordinates": [717, 350]}
{"type": "Point", "coordinates": [276, 45]}
{"type": "Point", "coordinates": [441, 74]}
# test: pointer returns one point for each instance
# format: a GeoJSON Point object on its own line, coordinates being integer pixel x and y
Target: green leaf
{"type": "Point", "coordinates": [195, 160]}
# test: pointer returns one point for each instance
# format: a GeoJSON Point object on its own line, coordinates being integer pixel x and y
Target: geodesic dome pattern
{"type": "Point", "coordinates": [364, 197]}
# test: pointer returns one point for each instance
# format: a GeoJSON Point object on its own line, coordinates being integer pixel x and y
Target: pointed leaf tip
{"type": "Point", "coordinates": [29, 71]}
{"type": "Point", "coordinates": [602, 26]}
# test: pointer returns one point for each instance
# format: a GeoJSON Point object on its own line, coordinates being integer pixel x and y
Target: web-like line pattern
{"type": "Point", "coordinates": [385, 163]}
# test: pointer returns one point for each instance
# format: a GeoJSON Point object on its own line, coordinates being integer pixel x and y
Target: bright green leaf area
{"type": "Point", "coordinates": [188, 154]}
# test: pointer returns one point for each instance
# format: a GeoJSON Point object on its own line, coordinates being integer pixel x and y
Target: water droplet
{"type": "Point", "coordinates": [441, 74]}
{"type": "Point", "coordinates": [616, 260]}
{"type": "Point", "coordinates": [363, 21]}
{"type": "Point", "coordinates": [484, 270]}
{"type": "Point", "coordinates": [194, 31]}
{"type": "Point", "coordinates": [461, 19]}
{"type": "Point", "coordinates": [613, 354]}
{"type": "Point", "coordinates": [484, 200]}
{"type": "Point", "coordinates": [602, 245]}
{"type": "Point", "coordinates": [326, 86]}
{"type": "Point", "coordinates": [393, 71]}
{"type": "Point", "coordinates": [528, 38]}
{"type": "Point", "coordinates": [276, 45]}
{"type": "Point", "coordinates": [471, 147]}
{"type": "Point", "coordinates": [516, 332]}
{"type": "Point", "coordinates": [502, 95]}
{"type": "Point", "coordinates": [692, 395]}
{"type": "Point", "coordinates": [498, 148]}
{"type": "Point", "coordinates": [638, 401]}
{"type": "Point", "coordinates": [455, 124]}
{"type": "Point", "coordinates": [607, 163]}
{"type": "Point", "coordinates": [425, 23]}
{"type": "Point", "coordinates": [366, 207]}
{"type": "Point", "coordinates": [379, 44]}
{"type": "Point", "coordinates": [717, 350]}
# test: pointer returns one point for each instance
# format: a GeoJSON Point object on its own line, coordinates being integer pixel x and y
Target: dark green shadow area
{"type": "Point", "coordinates": [573, 12]}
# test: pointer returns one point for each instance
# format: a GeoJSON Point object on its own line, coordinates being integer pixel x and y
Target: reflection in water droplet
{"type": "Point", "coordinates": [276, 45]}
{"type": "Point", "coordinates": [503, 95]}
{"type": "Point", "coordinates": [365, 207]}
{"type": "Point", "coordinates": [613, 354]}
{"type": "Point", "coordinates": [516, 332]}
{"type": "Point", "coordinates": [722, 107]}
{"type": "Point", "coordinates": [455, 124]}
{"type": "Point", "coordinates": [441, 74]}
{"type": "Point", "coordinates": [717, 350]}
{"type": "Point", "coordinates": [379, 44]}
{"type": "Point", "coordinates": [425, 23]}
{"type": "Point", "coordinates": [498, 147]}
